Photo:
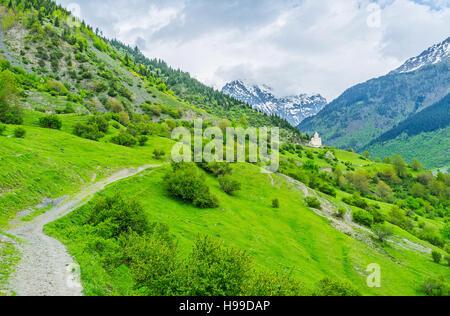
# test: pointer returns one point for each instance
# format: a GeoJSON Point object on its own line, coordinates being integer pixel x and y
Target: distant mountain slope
{"type": "Point", "coordinates": [432, 55]}
{"type": "Point", "coordinates": [366, 111]}
{"type": "Point", "coordinates": [431, 148]}
{"type": "Point", "coordinates": [425, 136]}
{"type": "Point", "coordinates": [294, 109]}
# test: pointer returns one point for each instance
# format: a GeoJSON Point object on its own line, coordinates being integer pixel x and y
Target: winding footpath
{"type": "Point", "coordinates": [46, 268]}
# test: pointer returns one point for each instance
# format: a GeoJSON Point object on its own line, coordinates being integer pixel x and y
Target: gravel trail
{"type": "Point", "coordinates": [46, 269]}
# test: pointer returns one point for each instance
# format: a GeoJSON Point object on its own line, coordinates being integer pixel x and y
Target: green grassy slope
{"type": "Point", "coordinates": [48, 163]}
{"type": "Point", "coordinates": [432, 149]}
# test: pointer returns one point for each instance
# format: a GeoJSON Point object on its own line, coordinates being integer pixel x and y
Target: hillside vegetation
{"type": "Point", "coordinates": [75, 108]}
{"type": "Point", "coordinates": [424, 136]}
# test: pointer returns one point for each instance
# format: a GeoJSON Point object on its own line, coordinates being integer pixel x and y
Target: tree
{"type": "Point", "coordinates": [366, 154]}
{"type": "Point", "coordinates": [418, 190]}
{"type": "Point", "coordinates": [127, 60]}
{"type": "Point", "coordinates": [383, 231]}
{"type": "Point", "coordinates": [360, 181]}
{"type": "Point", "coordinates": [114, 105]}
{"type": "Point", "coordinates": [416, 165]}
{"type": "Point", "coordinates": [223, 125]}
{"type": "Point", "coordinates": [400, 166]}
{"type": "Point", "coordinates": [10, 113]}
{"type": "Point", "coordinates": [425, 178]}
{"type": "Point", "coordinates": [384, 191]}
{"type": "Point", "coordinates": [243, 122]}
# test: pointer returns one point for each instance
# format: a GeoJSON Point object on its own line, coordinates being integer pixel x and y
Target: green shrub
{"type": "Point", "coordinates": [120, 215]}
{"type": "Point", "coordinates": [341, 212]}
{"type": "Point", "coordinates": [20, 132]}
{"type": "Point", "coordinates": [11, 114]}
{"type": "Point", "coordinates": [184, 182]}
{"type": "Point", "coordinates": [398, 217]}
{"type": "Point", "coordinates": [229, 185]}
{"type": "Point", "coordinates": [2, 129]}
{"type": "Point", "coordinates": [217, 168]}
{"type": "Point", "coordinates": [329, 287]}
{"type": "Point", "coordinates": [437, 256]}
{"type": "Point", "coordinates": [266, 283]}
{"type": "Point", "coordinates": [327, 189]}
{"type": "Point", "coordinates": [50, 121]}
{"type": "Point", "coordinates": [447, 258]}
{"type": "Point", "coordinates": [56, 87]}
{"type": "Point", "coordinates": [276, 203]}
{"type": "Point", "coordinates": [158, 154]}
{"type": "Point", "coordinates": [153, 263]}
{"type": "Point", "coordinates": [213, 270]}
{"type": "Point", "coordinates": [142, 140]}
{"type": "Point", "coordinates": [436, 287]}
{"type": "Point", "coordinates": [124, 139]}
{"type": "Point", "coordinates": [87, 131]}
{"type": "Point", "coordinates": [383, 231]}
{"type": "Point", "coordinates": [313, 202]}
{"type": "Point", "coordinates": [378, 218]}
{"type": "Point", "coordinates": [357, 201]}
{"type": "Point", "coordinates": [363, 217]}
{"type": "Point", "coordinates": [101, 122]}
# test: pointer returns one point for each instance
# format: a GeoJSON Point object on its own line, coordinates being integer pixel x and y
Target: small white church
{"type": "Point", "coordinates": [316, 141]}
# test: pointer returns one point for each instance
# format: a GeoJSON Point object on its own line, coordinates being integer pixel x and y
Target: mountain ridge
{"type": "Point", "coordinates": [294, 109]}
{"type": "Point", "coordinates": [431, 56]}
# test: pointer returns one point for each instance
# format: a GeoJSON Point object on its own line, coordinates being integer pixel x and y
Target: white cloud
{"type": "Point", "coordinates": [295, 46]}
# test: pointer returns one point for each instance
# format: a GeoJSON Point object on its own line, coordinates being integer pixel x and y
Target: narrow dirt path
{"type": "Point", "coordinates": [46, 269]}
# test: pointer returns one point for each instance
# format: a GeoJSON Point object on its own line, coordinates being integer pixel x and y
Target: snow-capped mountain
{"type": "Point", "coordinates": [431, 56]}
{"type": "Point", "coordinates": [293, 109]}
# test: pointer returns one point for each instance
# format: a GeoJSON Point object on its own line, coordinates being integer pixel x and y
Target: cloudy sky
{"type": "Point", "coordinates": [295, 46]}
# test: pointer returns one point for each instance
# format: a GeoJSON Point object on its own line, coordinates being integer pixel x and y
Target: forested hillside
{"type": "Point", "coordinates": [364, 112]}
{"type": "Point", "coordinates": [433, 118]}
{"type": "Point", "coordinates": [424, 136]}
